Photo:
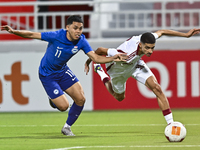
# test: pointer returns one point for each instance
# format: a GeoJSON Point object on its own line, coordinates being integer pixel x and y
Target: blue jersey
{"type": "Point", "coordinates": [60, 50]}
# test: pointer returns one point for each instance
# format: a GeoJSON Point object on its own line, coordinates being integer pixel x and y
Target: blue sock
{"type": "Point", "coordinates": [73, 114]}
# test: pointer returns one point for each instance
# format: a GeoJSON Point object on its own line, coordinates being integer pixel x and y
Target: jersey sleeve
{"type": "Point", "coordinates": [48, 36]}
{"type": "Point", "coordinates": [86, 47]}
{"type": "Point", "coordinates": [111, 52]}
{"type": "Point", "coordinates": [155, 35]}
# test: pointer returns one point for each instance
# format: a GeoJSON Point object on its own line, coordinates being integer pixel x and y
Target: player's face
{"type": "Point", "coordinates": [74, 31]}
{"type": "Point", "coordinates": [147, 48]}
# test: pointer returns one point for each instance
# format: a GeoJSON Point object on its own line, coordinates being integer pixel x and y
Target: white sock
{"type": "Point", "coordinates": [66, 125]}
{"type": "Point", "coordinates": [169, 118]}
{"type": "Point", "coordinates": [102, 74]}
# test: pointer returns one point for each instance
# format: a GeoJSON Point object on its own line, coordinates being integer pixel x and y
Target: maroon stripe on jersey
{"type": "Point", "coordinates": [131, 55]}
{"type": "Point", "coordinates": [108, 68]}
{"type": "Point", "coordinates": [128, 39]}
{"type": "Point", "coordinates": [120, 51]}
{"type": "Point", "coordinates": [134, 53]}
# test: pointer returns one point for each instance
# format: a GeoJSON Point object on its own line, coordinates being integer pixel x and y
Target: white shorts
{"type": "Point", "coordinates": [119, 72]}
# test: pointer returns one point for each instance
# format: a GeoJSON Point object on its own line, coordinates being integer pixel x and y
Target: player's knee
{"type": "Point", "coordinates": [81, 101]}
{"type": "Point", "coordinates": [63, 107]}
{"type": "Point", "coordinates": [119, 97]}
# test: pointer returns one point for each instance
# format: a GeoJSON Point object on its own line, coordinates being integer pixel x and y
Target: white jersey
{"type": "Point", "coordinates": [119, 72]}
{"type": "Point", "coordinates": [131, 47]}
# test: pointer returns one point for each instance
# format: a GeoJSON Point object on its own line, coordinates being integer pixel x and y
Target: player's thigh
{"type": "Point", "coordinates": [76, 93]}
{"type": "Point", "coordinates": [118, 84]}
{"type": "Point", "coordinates": [67, 80]}
{"type": "Point", "coordinates": [61, 102]}
{"type": "Point", "coordinates": [142, 74]}
{"type": "Point", "coordinates": [51, 86]}
{"type": "Point", "coordinates": [54, 92]}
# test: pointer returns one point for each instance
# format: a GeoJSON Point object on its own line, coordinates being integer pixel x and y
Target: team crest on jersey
{"type": "Point", "coordinates": [75, 49]}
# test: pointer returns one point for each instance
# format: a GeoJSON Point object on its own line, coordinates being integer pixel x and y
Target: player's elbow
{"type": "Point", "coordinates": [101, 51]}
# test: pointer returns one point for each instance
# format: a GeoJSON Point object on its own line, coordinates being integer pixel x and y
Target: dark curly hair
{"type": "Point", "coordinates": [148, 38]}
{"type": "Point", "coordinates": [74, 18]}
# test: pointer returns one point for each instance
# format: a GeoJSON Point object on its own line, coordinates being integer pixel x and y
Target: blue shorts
{"type": "Point", "coordinates": [55, 84]}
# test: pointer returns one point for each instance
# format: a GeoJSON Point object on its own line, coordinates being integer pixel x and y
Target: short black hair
{"type": "Point", "coordinates": [74, 18]}
{"type": "Point", "coordinates": [148, 38]}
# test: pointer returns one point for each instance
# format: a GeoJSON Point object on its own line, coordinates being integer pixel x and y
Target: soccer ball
{"type": "Point", "coordinates": [175, 132]}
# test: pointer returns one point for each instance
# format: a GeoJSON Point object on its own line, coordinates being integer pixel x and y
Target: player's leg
{"type": "Point", "coordinates": [163, 103]}
{"type": "Point", "coordinates": [77, 94]}
{"type": "Point", "coordinates": [56, 96]}
{"type": "Point", "coordinates": [152, 84]}
{"type": "Point", "coordinates": [69, 83]}
{"type": "Point", "coordinates": [60, 102]}
{"type": "Point", "coordinates": [144, 75]}
{"type": "Point", "coordinates": [117, 96]}
{"type": "Point", "coordinates": [106, 80]}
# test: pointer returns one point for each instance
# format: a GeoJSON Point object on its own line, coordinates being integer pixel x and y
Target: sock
{"type": "Point", "coordinates": [66, 125]}
{"type": "Point", "coordinates": [73, 114]}
{"type": "Point", "coordinates": [168, 115]}
{"type": "Point", "coordinates": [103, 75]}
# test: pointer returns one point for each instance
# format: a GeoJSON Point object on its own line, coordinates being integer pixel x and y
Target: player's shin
{"type": "Point", "coordinates": [73, 114]}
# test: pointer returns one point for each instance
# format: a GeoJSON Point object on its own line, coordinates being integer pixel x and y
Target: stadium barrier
{"type": "Point", "coordinates": [176, 65]}
{"type": "Point", "coordinates": [103, 18]}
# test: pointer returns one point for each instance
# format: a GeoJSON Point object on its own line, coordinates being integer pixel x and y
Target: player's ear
{"type": "Point", "coordinates": [67, 27]}
{"type": "Point", "coordinates": [140, 44]}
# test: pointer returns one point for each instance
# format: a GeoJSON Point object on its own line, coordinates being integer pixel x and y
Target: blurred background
{"type": "Point", "coordinates": [107, 23]}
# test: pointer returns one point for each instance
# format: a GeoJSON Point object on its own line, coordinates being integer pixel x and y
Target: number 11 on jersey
{"type": "Point", "coordinates": [58, 53]}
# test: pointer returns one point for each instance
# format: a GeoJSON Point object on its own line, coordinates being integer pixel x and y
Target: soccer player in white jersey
{"type": "Point", "coordinates": [119, 72]}
{"type": "Point", "coordinates": [55, 75]}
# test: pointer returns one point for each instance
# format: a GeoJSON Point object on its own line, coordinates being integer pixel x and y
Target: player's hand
{"type": "Point", "coordinates": [7, 28]}
{"type": "Point", "coordinates": [87, 68]}
{"type": "Point", "coordinates": [121, 57]}
{"type": "Point", "coordinates": [192, 32]}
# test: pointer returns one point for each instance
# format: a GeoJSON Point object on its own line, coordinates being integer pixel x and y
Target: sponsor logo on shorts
{"type": "Point", "coordinates": [56, 91]}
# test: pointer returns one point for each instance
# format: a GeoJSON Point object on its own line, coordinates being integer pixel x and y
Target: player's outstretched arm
{"type": "Point", "coordinates": [97, 58]}
{"type": "Point", "coordinates": [22, 33]}
{"type": "Point", "coordinates": [99, 51]}
{"type": "Point", "coordinates": [177, 33]}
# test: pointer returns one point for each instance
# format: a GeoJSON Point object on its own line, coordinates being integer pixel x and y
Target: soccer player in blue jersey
{"type": "Point", "coordinates": [55, 75]}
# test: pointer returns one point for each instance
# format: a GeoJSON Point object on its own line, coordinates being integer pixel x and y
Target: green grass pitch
{"type": "Point", "coordinates": [97, 130]}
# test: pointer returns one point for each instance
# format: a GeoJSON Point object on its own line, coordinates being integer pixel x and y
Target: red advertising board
{"type": "Point", "coordinates": [178, 73]}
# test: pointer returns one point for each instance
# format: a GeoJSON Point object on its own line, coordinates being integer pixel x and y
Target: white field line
{"type": "Point", "coordinates": [95, 125]}
{"type": "Point", "coordinates": [136, 146]}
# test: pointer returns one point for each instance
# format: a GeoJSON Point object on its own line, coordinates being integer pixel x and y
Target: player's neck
{"type": "Point", "coordinates": [140, 51]}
